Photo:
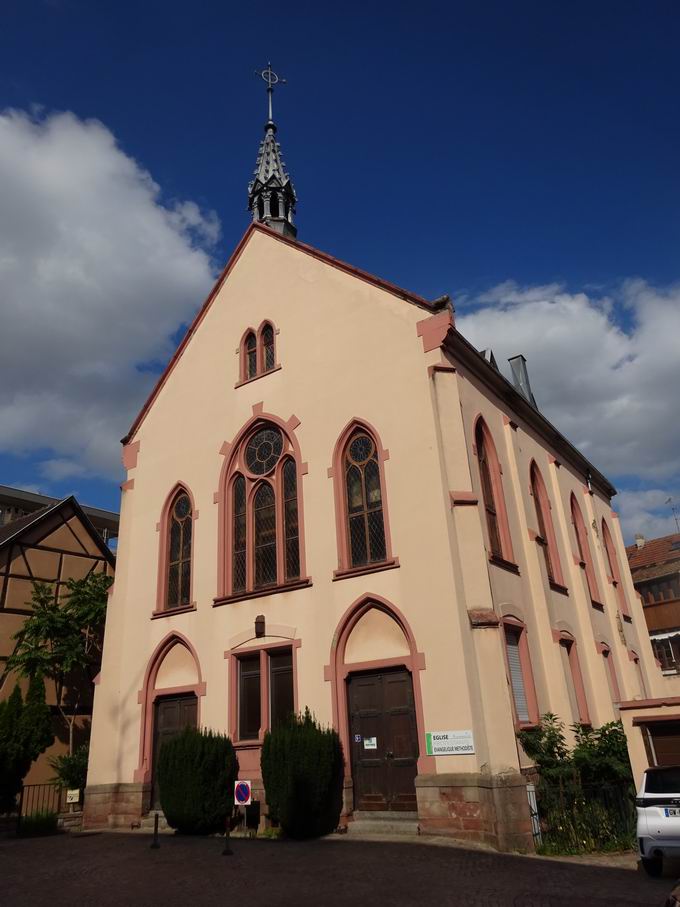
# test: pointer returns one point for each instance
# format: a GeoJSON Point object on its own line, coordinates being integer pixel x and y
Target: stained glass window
{"type": "Point", "coordinates": [365, 522]}
{"type": "Point", "coordinates": [290, 520]}
{"type": "Point", "coordinates": [268, 356]}
{"type": "Point", "coordinates": [264, 450]}
{"type": "Point", "coordinates": [179, 552]}
{"type": "Point", "coordinates": [264, 518]}
{"type": "Point", "coordinates": [239, 535]}
{"type": "Point", "coordinates": [251, 355]}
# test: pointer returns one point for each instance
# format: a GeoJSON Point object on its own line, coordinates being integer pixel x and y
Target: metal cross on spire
{"type": "Point", "coordinates": [271, 78]}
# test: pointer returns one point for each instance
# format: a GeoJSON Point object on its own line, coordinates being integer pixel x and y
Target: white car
{"type": "Point", "coordinates": [658, 817]}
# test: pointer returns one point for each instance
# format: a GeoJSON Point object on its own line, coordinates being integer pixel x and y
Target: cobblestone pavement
{"type": "Point", "coordinates": [118, 869]}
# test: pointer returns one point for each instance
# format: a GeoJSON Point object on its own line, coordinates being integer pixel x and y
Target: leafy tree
{"type": "Point", "coordinates": [71, 771]}
{"type": "Point", "coordinates": [62, 642]}
{"type": "Point", "coordinates": [302, 770]}
{"type": "Point", "coordinates": [601, 756]}
{"type": "Point", "coordinates": [547, 746]}
{"type": "Point", "coordinates": [196, 774]}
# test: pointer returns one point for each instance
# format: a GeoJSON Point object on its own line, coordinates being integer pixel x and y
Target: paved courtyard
{"type": "Point", "coordinates": [115, 869]}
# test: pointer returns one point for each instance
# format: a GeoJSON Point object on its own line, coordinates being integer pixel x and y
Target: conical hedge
{"type": "Point", "coordinates": [196, 774]}
{"type": "Point", "coordinates": [302, 770]}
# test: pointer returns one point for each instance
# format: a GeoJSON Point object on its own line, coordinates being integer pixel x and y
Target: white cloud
{"type": "Point", "coordinates": [96, 272]}
{"type": "Point", "coordinates": [612, 392]}
{"type": "Point", "coordinates": [646, 512]}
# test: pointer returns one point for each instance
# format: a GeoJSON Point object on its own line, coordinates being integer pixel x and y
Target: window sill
{"type": "Point", "coordinates": [260, 593]}
{"type": "Point", "coordinates": [597, 605]}
{"type": "Point", "coordinates": [169, 612]}
{"type": "Point", "coordinates": [503, 564]}
{"type": "Point", "coordinates": [277, 368]}
{"type": "Point", "coordinates": [557, 587]}
{"type": "Point", "coordinates": [253, 744]}
{"type": "Point", "coordinates": [526, 725]}
{"type": "Point", "coordinates": [368, 568]}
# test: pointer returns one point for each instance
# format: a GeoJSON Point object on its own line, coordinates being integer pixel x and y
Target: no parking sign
{"type": "Point", "coordinates": [243, 793]}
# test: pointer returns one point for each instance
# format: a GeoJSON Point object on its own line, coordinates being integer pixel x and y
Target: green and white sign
{"type": "Point", "coordinates": [449, 743]}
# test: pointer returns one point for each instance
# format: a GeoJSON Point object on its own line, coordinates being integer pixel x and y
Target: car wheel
{"type": "Point", "coordinates": [653, 866]}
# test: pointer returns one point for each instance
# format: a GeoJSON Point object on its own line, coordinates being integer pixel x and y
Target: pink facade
{"type": "Point", "coordinates": [431, 531]}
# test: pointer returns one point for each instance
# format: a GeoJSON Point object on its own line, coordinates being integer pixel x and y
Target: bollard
{"type": "Point", "coordinates": [155, 844]}
{"type": "Point", "coordinates": [227, 852]}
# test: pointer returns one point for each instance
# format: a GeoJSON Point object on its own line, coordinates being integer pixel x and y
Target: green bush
{"type": "Point", "coordinates": [302, 770]}
{"type": "Point", "coordinates": [196, 774]}
{"type": "Point", "coordinates": [71, 771]}
{"type": "Point", "coordinates": [35, 824]}
{"type": "Point", "coordinates": [25, 733]}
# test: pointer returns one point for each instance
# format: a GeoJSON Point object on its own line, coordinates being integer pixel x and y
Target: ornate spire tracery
{"type": "Point", "coordinates": [271, 194]}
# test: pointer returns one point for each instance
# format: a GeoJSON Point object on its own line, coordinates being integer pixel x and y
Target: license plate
{"type": "Point", "coordinates": [672, 812]}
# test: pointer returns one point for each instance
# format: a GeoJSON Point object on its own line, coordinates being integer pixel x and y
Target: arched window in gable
{"type": "Point", "coordinates": [546, 531]}
{"type": "Point", "coordinates": [492, 494]}
{"type": "Point", "coordinates": [175, 551]}
{"type": "Point", "coordinates": [614, 571]}
{"type": "Point", "coordinates": [268, 351]}
{"type": "Point", "coordinates": [360, 504]}
{"type": "Point", "coordinates": [584, 553]}
{"type": "Point", "coordinates": [363, 501]}
{"type": "Point", "coordinates": [263, 524]}
{"type": "Point", "coordinates": [258, 352]}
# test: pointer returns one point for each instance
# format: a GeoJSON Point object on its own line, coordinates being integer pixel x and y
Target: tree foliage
{"type": "Point", "coordinates": [302, 770]}
{"type": "Point", "coordinates": [25, 733]}
{"type": "Point", "coordinates": [196, 774]}
{"type": "Point", "coordinates": [71, 770]}
{"type": "Point", "coordinates": [61, 640]}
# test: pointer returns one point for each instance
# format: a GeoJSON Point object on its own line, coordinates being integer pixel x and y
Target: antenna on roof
{"type": "Point", "coordinates": [674, 511]}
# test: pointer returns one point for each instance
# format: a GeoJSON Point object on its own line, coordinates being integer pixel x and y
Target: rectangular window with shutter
{"type": "Point", "coordinates": [513, 640]}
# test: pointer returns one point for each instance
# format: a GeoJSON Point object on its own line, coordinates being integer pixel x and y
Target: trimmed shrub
{"type": "Point", "coordinates": [196, 774]}
{"type": "Point", "coordinates": [302, 770]}
{"type": "Point", "coordinates": [71, 771]}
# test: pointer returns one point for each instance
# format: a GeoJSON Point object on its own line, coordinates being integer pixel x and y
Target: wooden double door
{"type": "Point", "coordinates": [171, 715]}
{"type": "Point", "coordinates": [383, 740]}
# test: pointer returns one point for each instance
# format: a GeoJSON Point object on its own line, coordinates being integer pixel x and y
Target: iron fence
{"type": "Point", "coordinates": [568, 817]}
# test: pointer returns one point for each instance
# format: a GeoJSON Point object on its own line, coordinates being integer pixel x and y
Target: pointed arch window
{"type": "Point", "coordinates": [585, 558]}
{"type": "Point", "coordinates": [546, 531]}
{"type": "Point", "coordinates": [176, 530]}
{"type": "Point", "coordinates": [258, 352]}
{"type": "Point", "coordinates": [614, 571]}
{"type": "Point", "coordinates": [263, 515]}
{"type": "Point", "coordinates": [361, 507]}
{"type": "Point", "coordinates": [491, 481]}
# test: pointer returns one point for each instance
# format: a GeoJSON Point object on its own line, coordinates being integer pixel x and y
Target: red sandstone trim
{"type": "Point", "coordinates": [377, 567]}
{"type": "Point", "coordinates": [301, 247]}
{"type": "Point", "coordinates": [463, 498]}
{"type": "Point", "coordinates": [554, 461]}
{"type": "Point", "coordinates": [495, 471]}
{"type": "Point", "coordinates": [654, 719]}
{"type": "Point", "coordinates": [129, 455]}
{"type": "Point", "coordinates": [650, 703]}
{"type": "Point", "coordinates": [483, 617]}
{"type": "Point", "coordinates": [433, 330]}
{"type": "Point", "coordinates": [277, 368]}
{"type": "Point", "coordinates": [527, 674]}
{"type": "Point", "coordinates": [610, 551]}
{"type": "Point", "coordinates": [148, 695]}
{"type": "Point", "coordinates": [605, 651]}
{"type": "Point", "coordinates": [170, 612]}
{"type": "Point", "coordinates": [128, 485]}
{"type": "Point", "coordinates": [564, 638]}
{"type": "Point", "coordinates": [508, 421]}
{"type": "Point", "coordinates": [337, 671]}
{"type": "Point", "coordinates": [233, 465]}
{"type": "Point", "coordinates": [163, 530]}
{"type": "Point", "coordinates": [337, 473]}
{"type": "Point", "coordinates": [262, 593]}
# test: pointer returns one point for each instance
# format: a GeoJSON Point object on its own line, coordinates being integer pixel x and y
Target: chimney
{"type": "Point", "coordinates": [490, 358]}
{"type": "Point", "coordinates": [520, 378]}
{"type": "Point", "coordinates": [639, 540]}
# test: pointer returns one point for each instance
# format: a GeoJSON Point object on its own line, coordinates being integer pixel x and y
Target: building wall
{"type": "Point", "coordinates": [347, 350]}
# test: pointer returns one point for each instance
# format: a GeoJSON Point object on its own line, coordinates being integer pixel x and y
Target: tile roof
{"type": "Point", "coordinates": [656, 557]}
{"type": "Point", "coordinates": [12, 528]}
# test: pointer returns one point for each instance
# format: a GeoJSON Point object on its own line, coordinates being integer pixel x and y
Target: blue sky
{"type": "Point", "coordinates": [450, 147]}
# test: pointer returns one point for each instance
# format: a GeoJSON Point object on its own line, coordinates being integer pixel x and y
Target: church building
{"type": "Point", "coordinates": [334, 500]}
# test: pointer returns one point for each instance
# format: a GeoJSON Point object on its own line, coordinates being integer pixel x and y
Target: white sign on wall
{"type": "Point", "coordinates": [449, 743]}
{"type": "Point", "coordinates": [73, 796]}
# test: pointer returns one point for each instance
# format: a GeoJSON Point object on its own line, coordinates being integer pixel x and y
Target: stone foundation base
{"type": "Point", "coordinates": [70, 821]}
{"type": "Point", "coordinates": [490, 809]}
{"type": "Point", "coordinates": [115, 805]}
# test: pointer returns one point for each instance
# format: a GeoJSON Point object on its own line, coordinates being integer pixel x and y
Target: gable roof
{"type": "Point", "coordinates": [391, 288]}
{"type": "Point", "coordinates": [657, 557]}
{"type": "Point", "coordinates": [13, 531]}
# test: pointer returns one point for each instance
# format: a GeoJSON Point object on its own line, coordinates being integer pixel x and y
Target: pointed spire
{"type": "Point", "coordinates": [271, 195]}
